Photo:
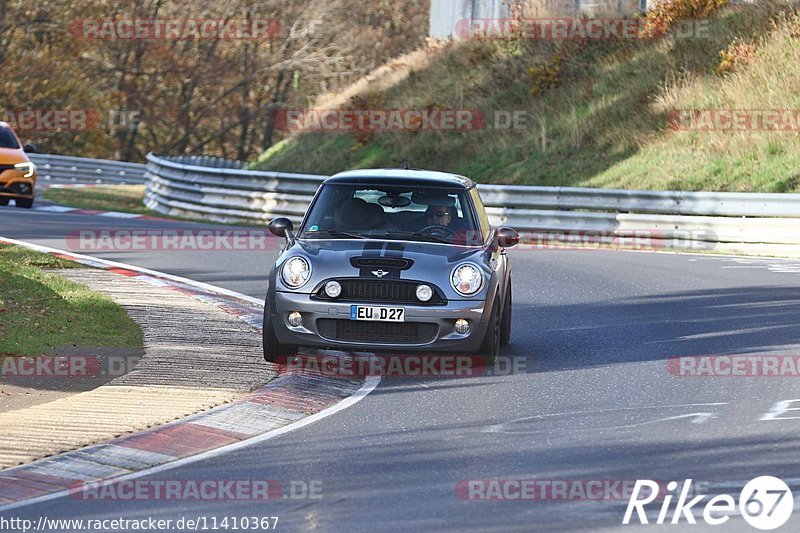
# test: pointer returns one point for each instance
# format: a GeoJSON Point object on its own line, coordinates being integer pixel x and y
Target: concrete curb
{"type": "Point", "coordinates": [288, 402]}
{"type": "Point", "coordinates": [288, 399]}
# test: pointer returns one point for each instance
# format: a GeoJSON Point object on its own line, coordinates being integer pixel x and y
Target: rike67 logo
{"type": "Point", "coordinates": [765, 503]}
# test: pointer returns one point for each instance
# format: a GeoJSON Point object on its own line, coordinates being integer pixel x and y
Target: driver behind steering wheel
{"type": "Point", "coordinates": [439, 219]}
{"type": "Point", "coordinates": [439, 215]}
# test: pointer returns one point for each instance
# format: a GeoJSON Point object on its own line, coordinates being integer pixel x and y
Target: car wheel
{"type": "Point", "coordinates": [505, 327]}
{"type": "Point", "coordinates": [3, 201]}
{"type": "Point", "coordinates": [26, 203]}
{"type": "Point", "coordinates": [491, 342]}
{"type": "Point", "coordinates": [274, 351]}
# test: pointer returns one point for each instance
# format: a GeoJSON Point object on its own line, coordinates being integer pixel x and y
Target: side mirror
{"type": "Point", "coordinates": [29, 148]}
{"type": "Point", "coordinates": [281, 227]}
{"type": "Point", "coordinates": [506, 237]}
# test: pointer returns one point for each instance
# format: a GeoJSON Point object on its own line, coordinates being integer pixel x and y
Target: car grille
{"type": "Point", "coordinates": [377, 332]}
{"type": "Point", "coordinates": [388, 291]}
{"type": "Point", "coordinates": [16, 188]}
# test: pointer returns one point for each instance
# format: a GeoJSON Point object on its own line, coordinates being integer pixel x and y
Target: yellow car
{"type": "Point", "coordinates": [17, 172]}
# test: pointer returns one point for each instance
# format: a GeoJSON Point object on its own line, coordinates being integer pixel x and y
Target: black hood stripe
{"type": "Point", "coordinates": [395, 249]}
{"type": "Point", "coordinates": [373, 249]}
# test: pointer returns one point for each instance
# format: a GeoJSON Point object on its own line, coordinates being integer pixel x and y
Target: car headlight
{"type": "Point", "coordinates": [27, 167]}
{"type": "Point", "coordinates": [295, 272]}
{"type": "Point", "coordinates": [467, 279]}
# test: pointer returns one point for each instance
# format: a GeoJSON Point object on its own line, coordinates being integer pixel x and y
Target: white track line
{"type": "Point", "coordinates": [155, 273]}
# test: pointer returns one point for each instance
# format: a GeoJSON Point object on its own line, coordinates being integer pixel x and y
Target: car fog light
{"type": "Point", "coordinates": [295, 319]}
{"type": "Point", "coordinates": [462, 326]}
{"type": "Point", "coordinates": [333, 289]}
{"type": "Point", "coordinates": [424, 293]}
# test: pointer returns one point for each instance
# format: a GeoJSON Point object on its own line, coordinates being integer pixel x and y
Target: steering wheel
{"type": "Point", "coordinates": [438, 230]}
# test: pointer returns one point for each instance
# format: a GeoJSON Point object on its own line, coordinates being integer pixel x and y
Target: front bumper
{"type": "Point", "coordinates": [17, 187]}
{"type": "Point", "coordinates": [438, 320]}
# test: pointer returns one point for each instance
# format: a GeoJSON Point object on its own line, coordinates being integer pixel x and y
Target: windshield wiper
{"type": "Point", "coordinates": [333, 233]}
{"type": "Point", "coordinates": [418, 235]}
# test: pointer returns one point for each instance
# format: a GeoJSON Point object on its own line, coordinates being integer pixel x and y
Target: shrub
{"type": "Point", "coordinates": [667, 13]}
{"type": "Point", "coordinates": [737, 53]}
{"type": "Point", "coordinates": [546, 76]}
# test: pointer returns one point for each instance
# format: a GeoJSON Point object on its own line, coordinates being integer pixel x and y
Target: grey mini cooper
{"type": "Point", "coordinates": [389, 260]}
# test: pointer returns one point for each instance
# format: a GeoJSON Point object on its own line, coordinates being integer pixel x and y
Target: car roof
{"type": "Point", "coordinates": [399, 176]}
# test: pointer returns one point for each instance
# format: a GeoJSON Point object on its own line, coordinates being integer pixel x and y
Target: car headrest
{"type": "Point", "coordinates": [356, 213]}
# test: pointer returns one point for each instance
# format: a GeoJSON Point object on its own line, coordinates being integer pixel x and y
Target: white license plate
{"type": "Point", "coordinates": [380, 314]}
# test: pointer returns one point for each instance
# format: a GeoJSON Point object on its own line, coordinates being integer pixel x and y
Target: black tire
{"type": "Point", "coordinates": [274, 351]}
{"type": "Point", "coordinates": [27, 203]}
{"type": "Point", "coordinates": [505, 326]}
{"type": "Point", "coordinates": [3, 201]}
{"type": "Point", "coordinates": [490, 347]}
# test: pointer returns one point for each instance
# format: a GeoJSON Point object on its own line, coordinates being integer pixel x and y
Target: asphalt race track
{"type": "Point", "coordinates": [590, 397]}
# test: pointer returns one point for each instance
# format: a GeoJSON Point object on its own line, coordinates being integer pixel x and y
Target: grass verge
{"type": "Point", "coordinates": [118, 198]}
{"type": "Point", "coordinates": [40, 310]}
{"type": "Point", "coordinates": [122, 198]}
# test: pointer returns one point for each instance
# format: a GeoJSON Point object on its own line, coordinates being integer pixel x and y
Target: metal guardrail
{"type": "Point", "coordinates": [84, 170]}
{"type": "Point", "coordinates": [226, 194]}
{"type": "Point", "coordinates": [764, 222]}
{"type": "Point", "coordinates": [205, 161]}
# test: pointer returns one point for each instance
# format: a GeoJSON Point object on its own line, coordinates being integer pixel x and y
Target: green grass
{"type": "Point", "coordinates": [118, 198]}
{"type": "Point", "coordinates": [605, 118]}
{"type": "Point", "coordinates": [121, 198]}
{"type": "Point", "coordinates": [39, 310]}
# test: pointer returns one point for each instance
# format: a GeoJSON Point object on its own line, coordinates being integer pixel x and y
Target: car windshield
{"type": "Point", "coordinates": [7, 139]}
{"type": "Point", "coordinates": [410, 213]}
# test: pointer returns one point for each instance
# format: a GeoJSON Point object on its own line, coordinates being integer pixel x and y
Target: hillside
{"type": "Point", "coordinates": [598, 112]}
